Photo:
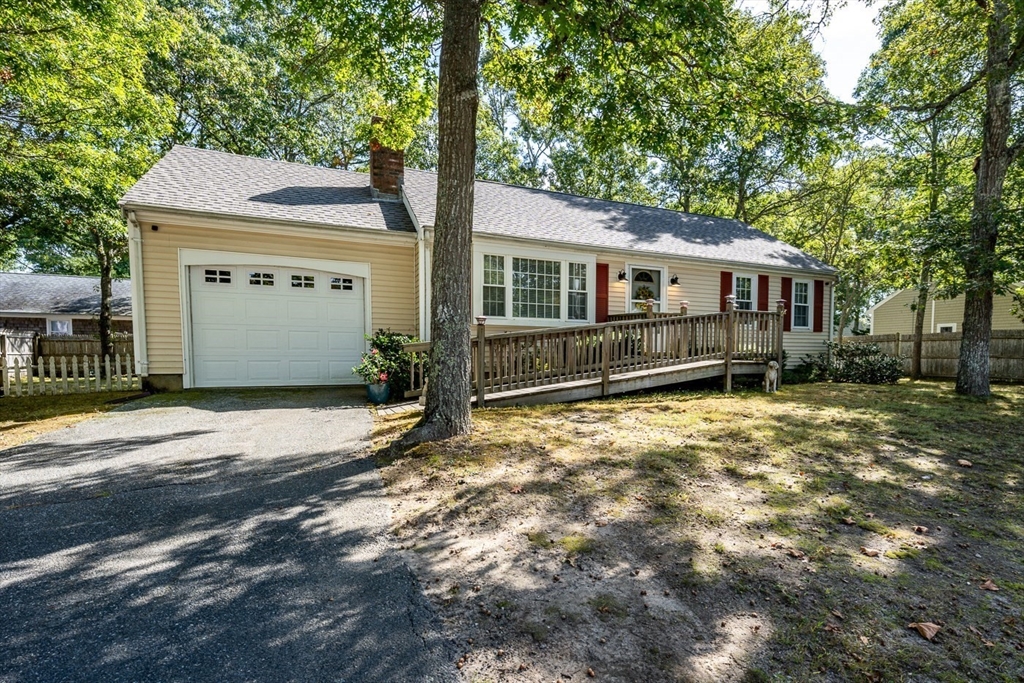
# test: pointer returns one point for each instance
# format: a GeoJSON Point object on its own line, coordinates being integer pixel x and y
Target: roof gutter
{"type": "Point", "coordinates": [831, 273]}
{"type": "Point", "coordinates": [138, 296]}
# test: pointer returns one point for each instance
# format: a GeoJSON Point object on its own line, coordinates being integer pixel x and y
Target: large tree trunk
{"type": "Point", "coordinates": [973, 373]}
{"type": "Point", "coordinates": [448, 389]}
{"type": "Point", "coordinates": [922, 303]}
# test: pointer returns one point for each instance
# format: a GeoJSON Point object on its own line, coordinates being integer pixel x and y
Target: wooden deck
{"type": "Point", "coordinates": [641, 352]}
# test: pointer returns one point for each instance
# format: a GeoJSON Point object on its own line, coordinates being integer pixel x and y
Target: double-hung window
{"type": "Point", "coordinates": [494, 286]}
{"type": "Point", "coordinates": [578, 291]}
{"type": "Point", "coordinates": [743, 288]}
{"type": "Point", "coordinates": [801, 304]}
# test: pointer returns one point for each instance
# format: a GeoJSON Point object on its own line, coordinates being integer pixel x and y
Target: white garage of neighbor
{"type": "Point", "coordinates": [267, 324]}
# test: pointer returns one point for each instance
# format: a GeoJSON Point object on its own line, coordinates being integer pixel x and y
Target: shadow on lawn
{"type": "Point", "coordinates": [883, 460]}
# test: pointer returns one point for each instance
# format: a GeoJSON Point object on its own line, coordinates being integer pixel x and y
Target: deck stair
{"type": "Point", "coordinates": [629, 353]}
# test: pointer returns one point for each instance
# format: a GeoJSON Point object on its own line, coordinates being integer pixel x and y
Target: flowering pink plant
{"type": "Point", "coordinates": [383, 377]}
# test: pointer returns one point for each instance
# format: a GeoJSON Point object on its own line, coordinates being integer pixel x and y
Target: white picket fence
{"type": "Point", "coordinates": [63, 375]}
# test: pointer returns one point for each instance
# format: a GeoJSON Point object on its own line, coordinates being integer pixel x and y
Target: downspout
{"type": "Point", "coordinates": [832, 311]}
{"type": "Point", "coordinates": [138, 296]}
{"type": "Point", "coordinates": [932, 330]}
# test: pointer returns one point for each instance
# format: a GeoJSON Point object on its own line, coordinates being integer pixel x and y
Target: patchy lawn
{"type": "Point", "coordinates": [26, 417]}
{"type": "Point", "coordinates": [712, 538]}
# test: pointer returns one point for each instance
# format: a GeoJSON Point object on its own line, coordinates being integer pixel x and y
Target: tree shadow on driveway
{"type": "Point", "coordinates": [235, 567]}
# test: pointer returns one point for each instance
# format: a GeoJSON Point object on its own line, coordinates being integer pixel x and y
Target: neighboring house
{"type": "Point", "coordinates": [60, 304]}
{"type": "Point", "coordinates": [895, 313]}
{"type": "Point", "coordinates": [250, 272]}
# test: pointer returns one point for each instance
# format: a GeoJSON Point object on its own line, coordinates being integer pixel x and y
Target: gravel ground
{"type": "Point", "coordinates": [220, 536]}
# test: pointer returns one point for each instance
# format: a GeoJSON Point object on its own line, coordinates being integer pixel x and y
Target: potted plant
{"type": "Point", "coordinates": [374, 371]}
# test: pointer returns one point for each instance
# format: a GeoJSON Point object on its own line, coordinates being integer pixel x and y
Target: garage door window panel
{"type": "Point", "coordinates": [303, 281]}
{"type": "Point", "coordinates": [215, 276]}
{"type": "Point", "coordinates": [260, 279]}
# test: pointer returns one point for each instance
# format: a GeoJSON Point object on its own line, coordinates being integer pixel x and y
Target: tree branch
{"type": "Point", "coordinates": [937, 108]}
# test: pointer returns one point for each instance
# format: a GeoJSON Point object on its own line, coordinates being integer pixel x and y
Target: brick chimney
{"type": "Point", "coordinates": [387, 169]}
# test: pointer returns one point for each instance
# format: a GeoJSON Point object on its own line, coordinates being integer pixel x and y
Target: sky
{"type": "Point", "coordinates": [846, 45]}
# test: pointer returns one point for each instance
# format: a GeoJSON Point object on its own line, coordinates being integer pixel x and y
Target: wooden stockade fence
{"type": "Point", "coordinates": [77, 374]}
{"type": "Point", "coordinates": [630, 344]}
{"type": "Point", "coordinates": [81, 345]}
{"type": "Point", "coordinates": [940, 352]}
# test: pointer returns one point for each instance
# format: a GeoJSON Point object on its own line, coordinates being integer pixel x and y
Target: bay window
{"type": "Point", "coordinates": [532, 288]}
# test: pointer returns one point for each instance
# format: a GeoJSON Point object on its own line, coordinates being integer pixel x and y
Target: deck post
{"type": "Point", "coordinates": [649, 308]}
{"type": "Point", "coordinates": [780, 326]}
{"type": "Point", "coordinates": [730, 339]}
{"type": "Point", "coordinates": [684, 308]}
{"type": "Point", "coordinates": [606, 353]}
{"type": "Point", "coordinates": [684, 351]}
{"type": "Point", "coordinates": [899, 339]}
{"type": "Point", "coordinates": [481, 331]}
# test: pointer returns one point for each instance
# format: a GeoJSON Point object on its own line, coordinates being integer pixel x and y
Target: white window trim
{"type": "Point", "coordinates": [939, 326]}
{"type": "Point", "coordinates": [630, 267]}
{"type": "Point", "coordinates": [203, 257]}
{"type": "Point", "coordinates": [60, 318]}
{"type": "Point", "coordinates": [753, 288]}
{"type": "Point", "coordinates": [508, 252]}
{"type": "Point", "coordinates": [810, 306]}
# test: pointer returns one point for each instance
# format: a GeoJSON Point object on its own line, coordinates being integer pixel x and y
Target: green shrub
{"type": "Point", "coordinates": [856, 363]}
{"type": "Point", "coordinates": [386, 358]}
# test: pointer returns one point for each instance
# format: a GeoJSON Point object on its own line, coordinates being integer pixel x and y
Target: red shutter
{"type": "Point", "coordinates": [601, 314]}
{"type": "Point", "coordinates": [762, 292]}
{"type": "Point", "coordinates": [787, 296]}
{"type": "Point", "coordinates": [819, 305]}
{"type": "Point", "coordinates": [726, 286]}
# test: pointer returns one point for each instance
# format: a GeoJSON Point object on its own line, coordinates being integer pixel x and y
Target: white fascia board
{"type": "Point", "coordinates": [278, 227]}
{"type": "Point", "coordinates": [634, 255]}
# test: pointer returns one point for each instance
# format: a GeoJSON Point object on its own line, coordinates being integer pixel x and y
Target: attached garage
{"type": "Point", "coordinates": [260, 324]}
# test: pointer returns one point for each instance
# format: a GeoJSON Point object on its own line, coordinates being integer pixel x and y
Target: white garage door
{"type": "Point", "coordinates": [270, 326]}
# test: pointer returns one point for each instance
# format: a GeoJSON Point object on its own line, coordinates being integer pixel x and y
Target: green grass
{"type": "Point", "coordinates": [793, 485]}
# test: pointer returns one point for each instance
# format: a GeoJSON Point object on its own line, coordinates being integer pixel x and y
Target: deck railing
{"type": "Point", "coordinates": [533, 358]}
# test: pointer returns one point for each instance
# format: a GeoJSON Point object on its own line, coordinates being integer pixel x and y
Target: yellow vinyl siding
{"type": "Point", "coordinates": [392, 278]}
{"type": "Point", "coordinates": [895, 315]}
{"type": "Point", "coordinates": [700, 285]}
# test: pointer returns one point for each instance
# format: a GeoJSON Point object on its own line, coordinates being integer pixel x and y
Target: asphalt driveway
{"type": "Point", "coordinates": [224, 536]}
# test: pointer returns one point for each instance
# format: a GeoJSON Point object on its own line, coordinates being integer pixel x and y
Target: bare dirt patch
{"type": "Point", "coordinates": [702, 537]}
{"type": "Point", "coordinates": [23, 418]}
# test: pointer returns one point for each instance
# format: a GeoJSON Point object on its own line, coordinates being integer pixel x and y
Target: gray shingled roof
{"type": "Point", "coordinates": [60, 294]}
{"type": "Point", "coordinates": [189, 179]}
{"type": "Point", "coordinates": [512, 211]}
{"type": "Point", "coordinates": [209, 182]}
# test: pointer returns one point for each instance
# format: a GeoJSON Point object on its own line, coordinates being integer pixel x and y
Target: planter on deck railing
{"type": "Point", "coordinates": [518, 360]}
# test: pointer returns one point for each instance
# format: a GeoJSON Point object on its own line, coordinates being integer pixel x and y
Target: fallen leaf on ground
{"type": "Point", "coordinates": [516, 489]}
{"type": "Point", "coordinates": [989, 585]}
{"type": "Point", "coordinates": [870, 552]}
{"type": "Point", "coordinates": [865, 640]}
{"type": "Point", "coordinates": [920, 529]}
{"type": "Point", "coordinates": [590, 672]}
{"type": "Point", "coordinates": [964, 463]}
{"type": "Point", "coordinates": [793, 552]}
{"type": "Point", "coordinates": [848, 521]}
{"type": "Point", "coordinates": [837, 614]}
{"type": "Point", "coordinates": [870, 515]}
{"type": "Point", "coordinates": [927, 629]}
